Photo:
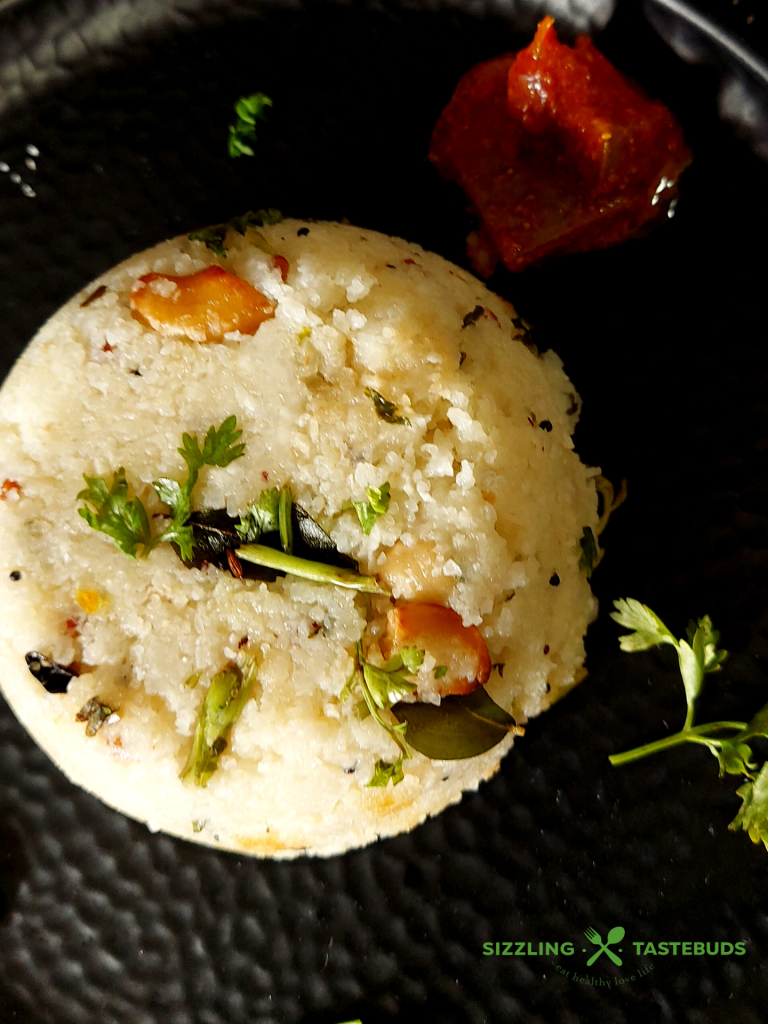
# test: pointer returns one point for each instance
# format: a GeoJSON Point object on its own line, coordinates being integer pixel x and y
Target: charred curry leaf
{"type": "Point", "coordinates": [215, 534]}
{"type": "Point", "coordinates": [311, 541]}
{"type": "Point", "coordinates": [471, 318]}
{"type": "Point", "coordinates": [589, 553]}
{"type": "Point", "coordinates": [54, 677]}
{"type": "Point", "coordinates": [458, 727]}
{"type": "Point", "coordinates": [385, 409]}
{"type": "Point", "coordinates": [94, 712]}
{"type": "Point", "coordinates": [222, 706]}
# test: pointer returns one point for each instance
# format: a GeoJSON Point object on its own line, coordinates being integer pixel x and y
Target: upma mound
{"type": "Point", "coordinates": [396, 403]}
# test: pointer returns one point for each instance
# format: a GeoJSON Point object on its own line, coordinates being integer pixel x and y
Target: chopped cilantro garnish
{"type": "Point", "coordinates": [222, 706]}
{"type": "Point", "coordinates": [122, 518]}
{"type": "Point", "coordinates": [249, 110]}
{"type": "Point", "coordinates": [376, 505]}
{"type": "Point", "coordinates": [440, 671]}
{"type": "Point", "coordinates": [381, 687]}
{"type": "Point", "coordinates": [385, 409]}
{"type": "Point", "coordinates": [698, 656]}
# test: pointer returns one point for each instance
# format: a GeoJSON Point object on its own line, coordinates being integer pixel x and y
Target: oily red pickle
{"type": "Point", "coordinates": [557, 151]}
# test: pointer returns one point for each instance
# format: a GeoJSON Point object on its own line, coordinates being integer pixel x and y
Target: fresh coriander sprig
{"type": "Point", "coordinates": [219, 449]}
{"type": "Point", "coordinates": [381, 687]}
{"type": "Point", "coordinates": [122, 518]}
{"type": "Point", "coordinates": [125, 519]}
{"type": "Point", "coordinates": [698, 656]}
{"type": "Point", "coordinates": [249, 110]}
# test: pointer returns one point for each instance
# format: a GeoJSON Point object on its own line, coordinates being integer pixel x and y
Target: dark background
{"type": "Point", "coordinates": [664, 337]}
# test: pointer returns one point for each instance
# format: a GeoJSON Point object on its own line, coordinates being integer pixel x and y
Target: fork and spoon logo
{"type": "Point", "coordinates": [614, 935]}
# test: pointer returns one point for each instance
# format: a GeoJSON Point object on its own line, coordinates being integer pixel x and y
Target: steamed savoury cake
{"type": "Point", "coordinates": [294, 535]}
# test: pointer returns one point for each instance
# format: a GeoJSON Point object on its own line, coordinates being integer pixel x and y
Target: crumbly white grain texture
{"type": "Point", "coordinates": [486, 507]}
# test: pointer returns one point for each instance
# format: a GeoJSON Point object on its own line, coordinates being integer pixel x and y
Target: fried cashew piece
{"type": "Point", "coordinates": [459, 650]}
{"type": "Point", "coordinates": [200, 307]}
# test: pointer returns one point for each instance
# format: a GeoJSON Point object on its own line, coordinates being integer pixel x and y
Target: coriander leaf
{"type": "Point", "coordinates": [590, 555]}
{"type": "Point", "coordinates": [648, 628]}
{"type": "Point", "coordinates": [213, 236]}
{"type": "Point", "coordinates": [219, 449]}
{"type": "Point", "coordinates": [386, 687]}
{"type": "Point", "coordinates": [385, 409]}
{"type": "Point", "coordinates": [385, 772]}
{"type": "Point", "coordinates": [377, 687]}
{"type": "Point", "coordinates": [178, 530]}
{"type": "Point", "coordinates": [122, 518]}
{"type": "Point", "coordinates": [175, 496]}
{"type": "Point", "coordinates": [753, 815]}
{"type": "Point", "coordinates": [440, 671]}
{"type": "Point", "coordinates": [223, 704]}
{"type": "Point", "coordinates": [249, 109]}
{"type": "Point", "coordinates": [412, 659]}
{"type": "Point", "coordinates": [376, 505]}
{"type": "Point", "coordinates": [704, 638]}
{"type": "Point", "coordinates": [734, 758]}
{"type": "Point", "coordinates": [263, 517]}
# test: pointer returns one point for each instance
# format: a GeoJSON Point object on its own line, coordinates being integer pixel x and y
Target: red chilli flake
{"type": "Point", "coordinates": [282, 265]}
{"type": "Point", "coordinates": [106, 347]}
{"type": "Point", "coordinates": [10, 489]}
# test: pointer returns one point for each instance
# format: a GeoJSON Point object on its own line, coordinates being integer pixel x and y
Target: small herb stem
{"type": "Point", "coordinates": [317, 572]}
{"type": "Point", "coordinates": [392, 730]}
{"type": "Point", "coordinates": [684, 736]}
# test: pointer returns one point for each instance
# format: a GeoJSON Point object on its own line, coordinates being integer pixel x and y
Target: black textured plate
{"type": "Point", "coordinates": [104, 923]}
